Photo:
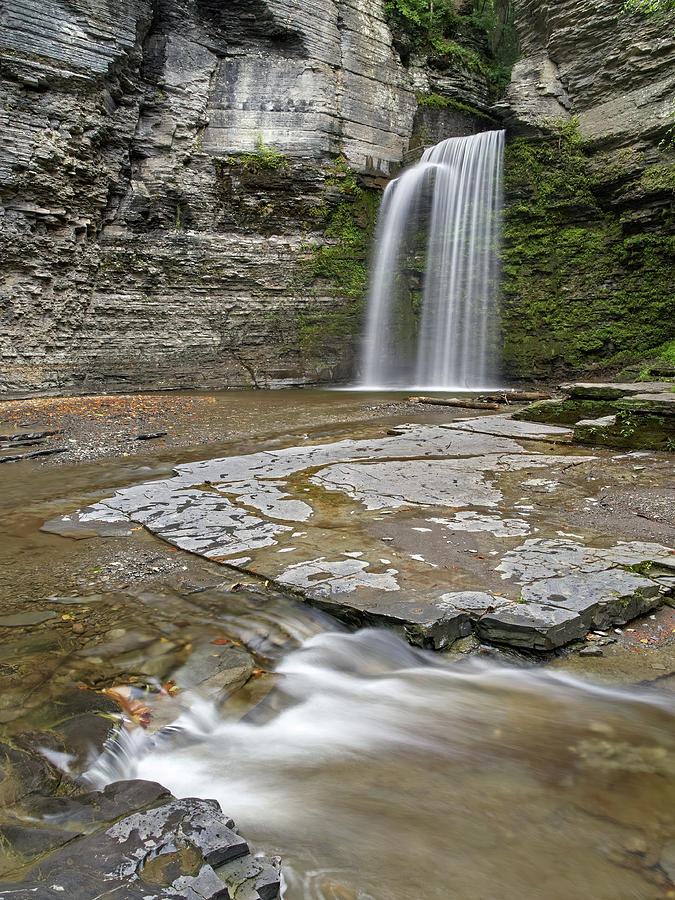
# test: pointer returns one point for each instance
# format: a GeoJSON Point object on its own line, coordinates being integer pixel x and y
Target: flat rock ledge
{"type": "Point", "coordinates": [134, 840]}
{"type": "Point", "coordinates": [639, 415]}
{"type": "Point", "coordinates": [599, 592]}
{"type": "Point", "coordinates": [335, 524]}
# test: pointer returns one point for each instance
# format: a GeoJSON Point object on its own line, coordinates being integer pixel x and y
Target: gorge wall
{"type": "Point", "coordinates": [589, 268]}
{"type": "Point", "coordinates": [188, 187]}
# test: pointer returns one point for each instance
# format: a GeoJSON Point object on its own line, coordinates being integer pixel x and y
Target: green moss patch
{"type": "Point", "coordinates": [338, 267]}
{"type": "Point", "coordinates": [582, 286]}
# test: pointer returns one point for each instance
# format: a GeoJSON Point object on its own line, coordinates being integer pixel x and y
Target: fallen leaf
{"type": "Point", "coordinates": [220, 641]}
{"type": "Point", "coordinates": [134, 709]}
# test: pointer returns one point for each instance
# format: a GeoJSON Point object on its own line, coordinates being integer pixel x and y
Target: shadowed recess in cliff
{"type": "Point", "coordinates": [235, 24]}
{"type": "Point", "coordinates": [432, 306]}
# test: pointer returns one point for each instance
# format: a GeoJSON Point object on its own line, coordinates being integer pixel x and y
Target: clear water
{"type": "Point", "coordinates": [381, 771]}
{"type": "Point", "coordinates": [432, 305]}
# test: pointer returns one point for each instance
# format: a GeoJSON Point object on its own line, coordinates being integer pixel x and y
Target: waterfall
{"type": "Point", "coordinates": [432, 304]}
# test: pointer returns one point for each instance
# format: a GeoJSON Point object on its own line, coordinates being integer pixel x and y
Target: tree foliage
{"type": "Point", "coordinates": [434, 27]}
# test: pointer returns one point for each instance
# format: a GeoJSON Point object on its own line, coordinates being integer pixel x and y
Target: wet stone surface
{"type": "Point", "coordinates": [135, 840]}
{"type": "Point", "coordinates": [380, 531]}
{"type": "Point", "coordinates": [442, 568]}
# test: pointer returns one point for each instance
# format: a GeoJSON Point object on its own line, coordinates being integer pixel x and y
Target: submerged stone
{"type": "Point", "coordinates": [215, 669]}
{"type": "Point", "coordinates": [36, 617]}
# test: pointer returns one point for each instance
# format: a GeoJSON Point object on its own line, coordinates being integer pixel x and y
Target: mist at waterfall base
{"type": "Point", "coordinates": [432, 310]}
{"type": "Point", "coordinates": [381, 772]}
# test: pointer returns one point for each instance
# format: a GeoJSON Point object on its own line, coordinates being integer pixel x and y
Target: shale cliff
{"type": "Point", "coordinates": [188, 187]}
{"type": "Point", "coordinates": [590, 173]}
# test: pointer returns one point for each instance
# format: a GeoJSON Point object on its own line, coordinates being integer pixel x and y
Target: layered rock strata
{"type": "Point", "coordinates": [635, 415]}
{"type": "Point", "coordinates": [135, 840]}
{"type": "Point", "coordinates": [387, 531]}
{"type": "Point", "coordinates": [172, 210]}
{"type": "Point", "coordinates": [188, 190]}
{"type": "Point", "coordinates": [590, 176]}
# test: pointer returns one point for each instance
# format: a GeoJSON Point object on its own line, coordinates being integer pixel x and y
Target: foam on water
{"type": "Point", "coordinates": [392, 773]}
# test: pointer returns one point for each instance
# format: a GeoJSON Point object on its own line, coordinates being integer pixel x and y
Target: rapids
{"type": "Point", "coordinates": [382, 772]}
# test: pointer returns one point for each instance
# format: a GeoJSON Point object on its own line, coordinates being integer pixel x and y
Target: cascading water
{"type": "Point", "coordinates": [382, 772]}
{"type": "Point", "coordinates": [438, 235]}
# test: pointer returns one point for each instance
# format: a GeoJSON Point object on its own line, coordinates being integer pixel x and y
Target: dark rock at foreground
{"type": "Point", "coordinates": [134, 840]}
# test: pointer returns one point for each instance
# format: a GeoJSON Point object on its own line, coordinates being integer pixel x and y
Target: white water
{"type": "Point", "coordinates": [381, 772]}
{"type": "Point", "coordinates": [446, 213]}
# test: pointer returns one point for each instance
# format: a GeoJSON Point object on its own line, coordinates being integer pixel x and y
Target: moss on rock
{"type": "Point", "coordinates": [338, 266]}
{"type": "Point", "coordinates": [589, 258]}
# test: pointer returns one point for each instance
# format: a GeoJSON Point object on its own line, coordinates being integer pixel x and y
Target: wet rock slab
{"type": "Point", "coordinates": [135, 840]}
{"type": "Point", "coordinates": [586, 390]}
{"type": "Point", "coordinates": [313, 520]}
{"type": "Point", "coordinates": [602, 599]}
{"type": "Point", "coordinates": [426, 622]}
{"type": "Point", "coordinates": [531, 626]}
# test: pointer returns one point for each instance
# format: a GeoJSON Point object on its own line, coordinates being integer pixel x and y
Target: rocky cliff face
{"type": "Point", "coordinates": [590, 173]}
{"type": "Point", "coordinates": [188, 187]}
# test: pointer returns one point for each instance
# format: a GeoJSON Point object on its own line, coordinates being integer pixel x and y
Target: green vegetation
{"type": "Point", "coordinates": [262, 158]}
{"type": "Point", "coordinates": [436, 101]}
{"type": "Point", "coordinates": [665, 352]}
{"type": "Point", "coordinates": [582, 285]}
{"type": "Point", "coordinates": [339, 265]}
{"type": "Point", "coordinates": [428, 22]}
{"type": "Point", "coordinates": [641, 568]}
{"type": "Point", "coordinates": [648, 7]}
{"type": "Point", "coordinates": [483, 41]}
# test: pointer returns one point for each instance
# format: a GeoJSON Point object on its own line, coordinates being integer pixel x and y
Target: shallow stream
{"type": "Point", "coordinates": [376, 770]}
{"type": "Point", "coordinates": [380, 771]}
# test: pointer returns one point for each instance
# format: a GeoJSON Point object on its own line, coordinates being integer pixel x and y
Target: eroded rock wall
{"type": "Point", "coordinates": [135, 255]}
{"type": "Point", "coordinates": [590, 174]}
{"type": "Point", "coordinates": [188, 187]}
